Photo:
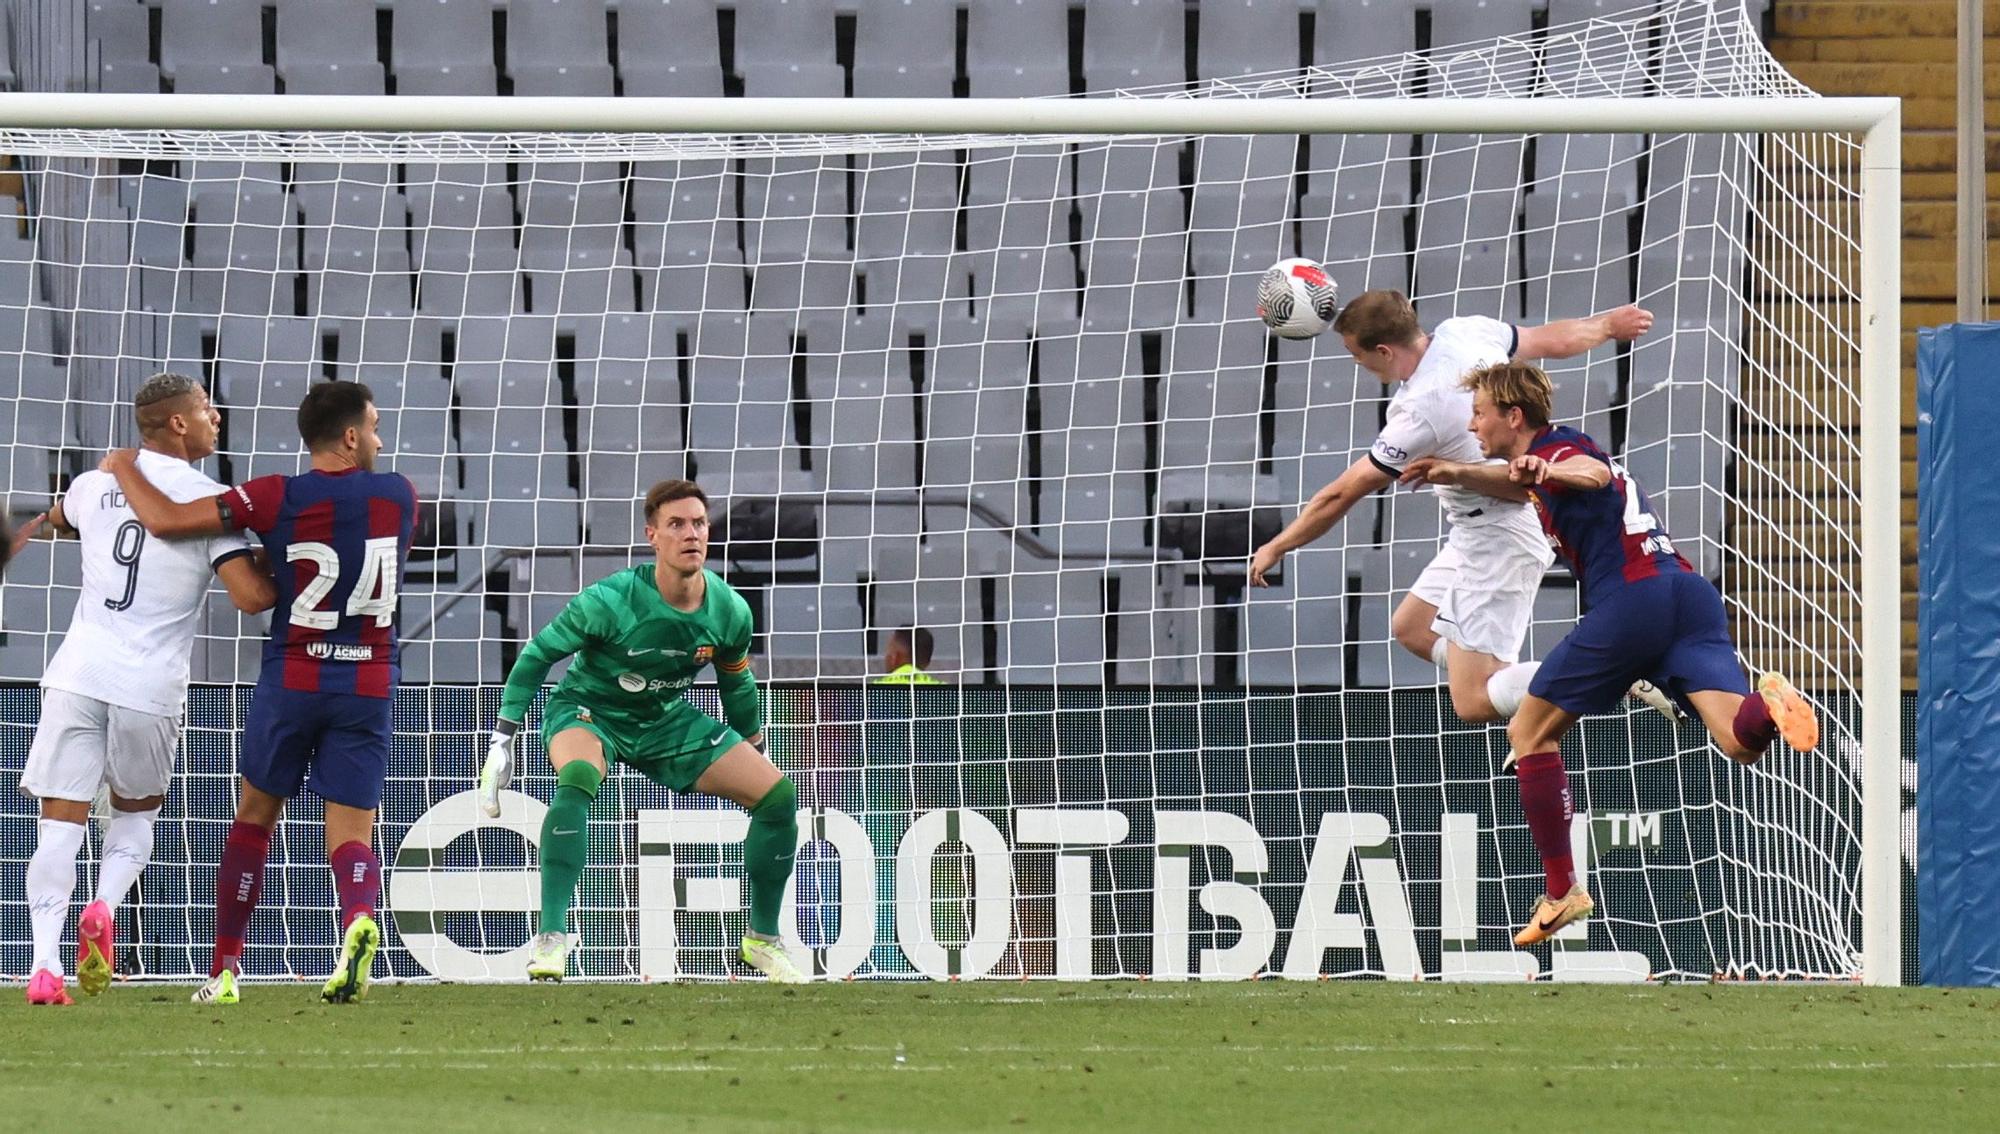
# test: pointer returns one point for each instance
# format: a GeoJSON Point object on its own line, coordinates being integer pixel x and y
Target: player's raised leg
{"type": "Point", "coordinates": [1745, 727]}
{"type": "Point", "coordinates": [1486, 684]}
{"type": "Point", "coordinates": [1536, 733]}
{"type": "Point", "coordinates": [1478, 655]}
{"type": "Point", "coordinates": [746, 777]}
{"type": "Point", "coordinates": [579, 760]}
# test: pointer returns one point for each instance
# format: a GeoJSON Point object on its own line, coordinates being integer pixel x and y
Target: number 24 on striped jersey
{"type": "Point", "coordinates": [374, 592]}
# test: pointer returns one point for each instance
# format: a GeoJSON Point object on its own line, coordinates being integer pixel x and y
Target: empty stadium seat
{"type": "Point", "coordinates": [783, 34]}
{"type": "Point", "coordinates": [1465, 22]}
{"type": "Point", "coordinates": [313, 32]}
{"type": "Point", "coordinates": [893, 33]}
{"type": "Point", "coordinates": [656, 34]}
{"type": "Point", "coordinates": [1247, 37]}
{"type": "Point", "coordinates": [121, 30]}
{"type": "Point", "coordinates": [1348, 30]}
{"type": "Point", "coordinates": [556, 33]}
{"type": "Point", "coordinates": [210, 32]}
{"type": "Point", "coordinates": [1134, 43]}
{"type": "Point", "coordinates": [1009, 34]}
{"type": "Point", "coordinates": [432, 34]}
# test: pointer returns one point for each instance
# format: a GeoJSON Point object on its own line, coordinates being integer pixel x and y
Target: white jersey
{"type": "Point", "coordinates": [134, 625]}
{"type": "Point", "coordinates": [1431, 416]}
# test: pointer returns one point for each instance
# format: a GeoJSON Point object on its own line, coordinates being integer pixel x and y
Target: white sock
{"type": "Point", "coordinates": [128, 847]}
{"type": "Point", "coordinates": [51, 882]}
{"type": "Point", "coordinates": [1506, 688]}
{"type": "Point", "coordinates": [1440, 652]}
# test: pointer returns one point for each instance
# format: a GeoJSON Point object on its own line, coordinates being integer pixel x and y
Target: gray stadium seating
{"type": "Point", "coordinates": [1296, 631]}
{"type": "Point", "coordinates": [1009, 34]}
{"type": "Point", "coordinates": [1133, 43]}
{"type": "Point", "coordinates": [205, 77]}
{"type": "Point", "coordinates": [210, 33]}
{"type": "Point", "coordinates": [784, 34]}
{"type": "Point", "coordinates": [1346, 30]}
{"type": "Point", "coordinates": [437, 33]}
{"type": "Point", "coordinates": [564, 80]}
{"type": "Point", "coordinates": [1247, 37]}
{"type": "Point", "coordinates": [126, 76]}
{"type": "Point", "coordinates": [700, 79]}
{"type": "Point", "coordinates": [1463, 22]}
{"type": "Point", "coordinates": [556, 33]}
{"type": "Point", "coordinates": [336, 78]}
{"type": "Point", "coordinates": [312, 32]}
{"type": "Point", "coordinates": [655, 34]}
{"type": "Point", "coordinates": [119, 28]}
{"type": "Point", "coordinates": [893, 33]}
{"type": "Point", "coordinates": [448, 79]}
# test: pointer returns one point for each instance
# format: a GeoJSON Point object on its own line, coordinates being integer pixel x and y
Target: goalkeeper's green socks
{"type": "Point", "coordinates": [767, 854]}
{"type": "Point", "coordinates": [566, 840]}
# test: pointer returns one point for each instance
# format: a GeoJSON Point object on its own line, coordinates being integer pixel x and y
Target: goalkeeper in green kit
{"type": "Point", "coordinates": [640, 637]}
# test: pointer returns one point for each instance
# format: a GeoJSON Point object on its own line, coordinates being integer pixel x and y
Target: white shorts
{"type": "Point", "coordinates": [1484, 594]}
{"type": "Point", "coordinates": [83, 744]}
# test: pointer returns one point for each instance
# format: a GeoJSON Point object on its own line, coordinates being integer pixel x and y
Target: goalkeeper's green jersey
{"type": "Point", "coordinates": [636, 656]}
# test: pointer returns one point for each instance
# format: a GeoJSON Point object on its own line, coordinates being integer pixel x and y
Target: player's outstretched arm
{"type": "Point", "coordinates": [1488, 479]}
{"type": "Point", "coordinates": [1327, 507]}
{"type": "Point", "coordinates": [1581, 473]}
{"type": "Point", "coordinates": [1567, 338]}
{"type": "Point", "coordinates": [12, 542]}
{"type": "Point", "coordinates": [573, 628]}
{"type": "Point", "coordinates": [162, 516]}
{"type": "Point", "coordinates": [32, 527]}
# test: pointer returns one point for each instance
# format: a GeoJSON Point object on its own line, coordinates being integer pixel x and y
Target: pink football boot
{"type": "Point", "coordinates": [46, 987]}
{"type": "Point", "coordinates": [95, 943]}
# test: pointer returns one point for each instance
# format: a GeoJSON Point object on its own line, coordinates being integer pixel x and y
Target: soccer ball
{"type": "Point", "coordinates": [1297, 299]}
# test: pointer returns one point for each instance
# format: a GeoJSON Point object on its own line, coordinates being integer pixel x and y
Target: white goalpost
{"type": "Point", "coordinates": [990, 368]}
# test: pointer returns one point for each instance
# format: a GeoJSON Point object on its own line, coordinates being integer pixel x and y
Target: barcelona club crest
{"type": "Point", "coordinates": [704, 654]}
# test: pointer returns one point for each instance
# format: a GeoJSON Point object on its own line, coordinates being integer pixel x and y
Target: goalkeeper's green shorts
{"type": "Point", "coordinates": [672, 751]}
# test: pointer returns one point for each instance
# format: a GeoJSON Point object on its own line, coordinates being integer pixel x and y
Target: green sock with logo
{"type": "Point", "coordinates": [566, 841]}
{"type": "Point", "coordinates": [767, 853]}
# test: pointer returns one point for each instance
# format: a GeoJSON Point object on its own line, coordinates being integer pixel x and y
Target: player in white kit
{"type": "Point", "coordinates": [1470, 609]}
{"type": "Point", "coordinates": [112, 695]}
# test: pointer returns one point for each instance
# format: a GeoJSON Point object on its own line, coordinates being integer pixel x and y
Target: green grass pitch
{"type": "Point", "coordinates": [992, 1056]}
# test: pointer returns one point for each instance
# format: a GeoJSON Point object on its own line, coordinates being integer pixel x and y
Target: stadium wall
{"type": "Point", "coordinates": [1958, 622]}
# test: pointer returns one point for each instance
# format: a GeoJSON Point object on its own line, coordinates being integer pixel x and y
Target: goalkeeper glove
{"type": "Point", "coordinates": [499, 769]}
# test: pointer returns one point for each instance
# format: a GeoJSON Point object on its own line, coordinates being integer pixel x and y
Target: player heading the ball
{"type": "Point", "coordinates": [1469, 611]}
{"type": "Point", "coordinates": [640, 638]}
{"type": "Point", "coordinates": [1650, 616]}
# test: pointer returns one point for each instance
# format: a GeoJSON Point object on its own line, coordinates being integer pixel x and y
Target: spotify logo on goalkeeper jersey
{"type": "Point", "coordinates": [1355, 894]}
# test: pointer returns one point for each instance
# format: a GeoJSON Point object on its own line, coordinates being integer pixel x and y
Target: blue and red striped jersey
{"type": "Point", "coordinates": [337, 541]}
{"type": "Point", "coordinates": [1609, 535]}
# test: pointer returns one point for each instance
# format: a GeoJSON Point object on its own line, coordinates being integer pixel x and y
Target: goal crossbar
{"type": "Point", "coordinates": [995, 116]}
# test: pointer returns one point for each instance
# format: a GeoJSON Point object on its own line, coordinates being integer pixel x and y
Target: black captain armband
{"type": "Point", "coordinates": [227, 513]}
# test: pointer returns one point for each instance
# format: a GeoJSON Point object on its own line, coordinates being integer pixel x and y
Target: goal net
{"type": "Point", "coordinates": [1007, 389]}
